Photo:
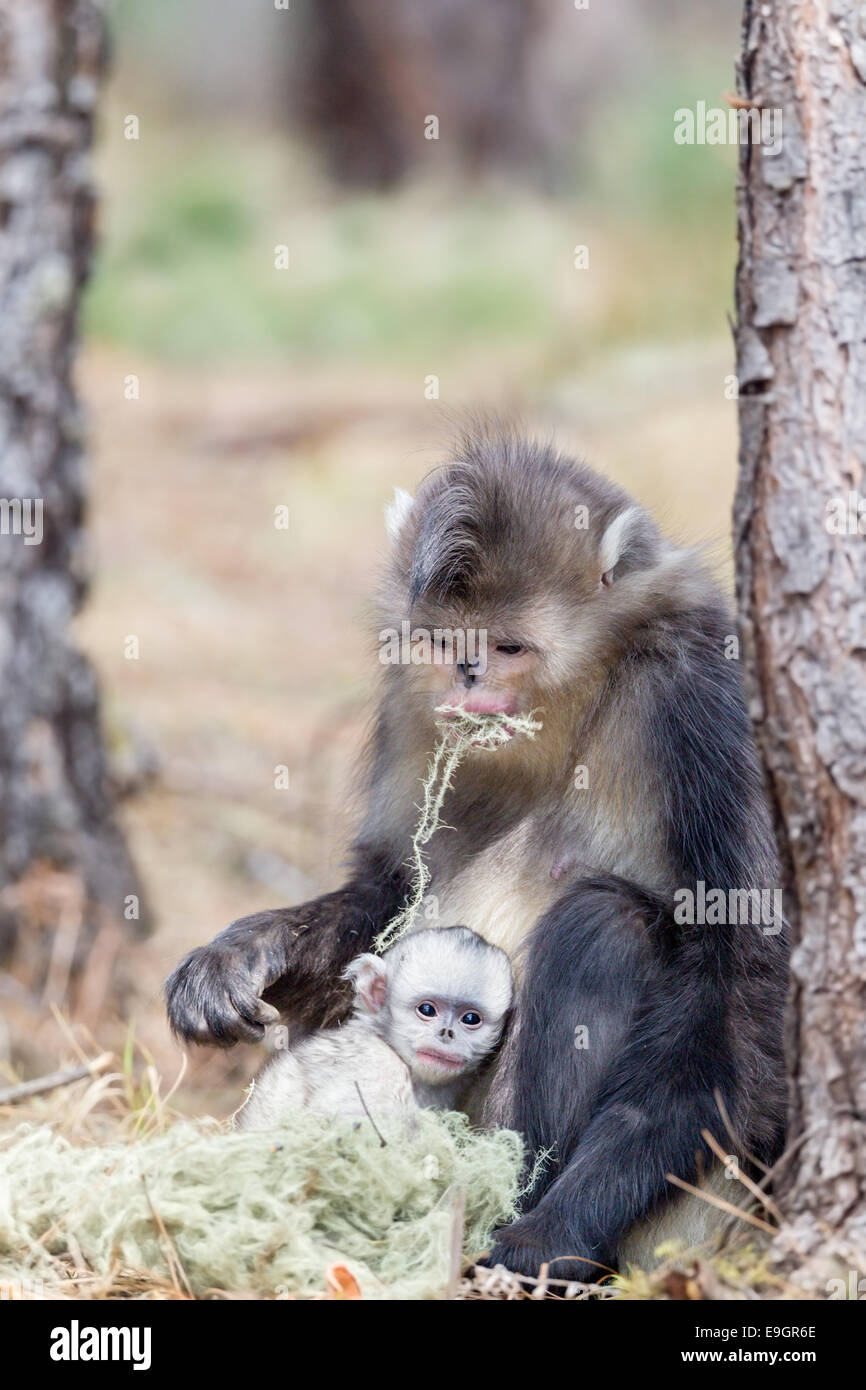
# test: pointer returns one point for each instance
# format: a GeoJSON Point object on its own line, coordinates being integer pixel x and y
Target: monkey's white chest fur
{"type": "Point", "coordinates": [333, 1073]}
{"type": "Point", "coordinates": [501, 894]}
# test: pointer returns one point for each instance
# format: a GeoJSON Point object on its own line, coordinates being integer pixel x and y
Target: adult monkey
{"type": "Point", "coordinates": [630, 1025]}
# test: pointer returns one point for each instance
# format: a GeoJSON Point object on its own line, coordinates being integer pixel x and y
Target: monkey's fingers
{"type": "Point", "coordinates": [211, 998]}
{"type": "Point", "coordinates": [252, 1008]}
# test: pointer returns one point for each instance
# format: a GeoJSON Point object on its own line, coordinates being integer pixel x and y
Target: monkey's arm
{"type": "Point", "coordinates": [287, 961]}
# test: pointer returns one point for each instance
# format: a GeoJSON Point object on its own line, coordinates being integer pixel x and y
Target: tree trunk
{"type": "Point", "coordinates": [68, 891]}
{"type": "Point", "coordinates": [370, 75]}
{"type": "Point", "coordinates": [801, 565]}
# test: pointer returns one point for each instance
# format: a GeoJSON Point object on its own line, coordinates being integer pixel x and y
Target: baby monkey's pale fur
{"type": "Point", "coordinates": [425, 1016]}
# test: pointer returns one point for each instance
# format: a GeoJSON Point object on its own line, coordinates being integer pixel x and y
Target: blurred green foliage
{"type": "Point", "coordinates": [194, 210]}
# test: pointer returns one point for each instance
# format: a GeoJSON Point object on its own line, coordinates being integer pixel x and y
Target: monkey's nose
{"type": "Point", "coordinates": [468, 672]}
{"type": "Point", "coordinates": [447, 1033]}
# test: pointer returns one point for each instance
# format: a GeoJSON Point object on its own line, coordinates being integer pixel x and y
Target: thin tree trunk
{"type": "Point", "coordinates": [68, 892]}
{"type": "Point", "coordinates": [371, 73]}
{"type": "Point", "coordinates": [801, 564]}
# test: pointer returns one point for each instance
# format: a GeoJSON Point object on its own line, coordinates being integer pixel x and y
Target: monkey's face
{"type": "Point", "coordinates": [478, 665]}
{"type": "Point", "coordinates": [447, 998]}
{"type": "Point", "coordinates": [492, 657]}
{"type": "Point", "coordinates": [440, 1038]}
{"type": "Point", "coordinates": [513, 575]}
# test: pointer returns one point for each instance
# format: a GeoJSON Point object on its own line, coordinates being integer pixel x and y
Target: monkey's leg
{"type": "Point", "coordinates": [286, 961]}
{"type": "Point", "coordinates": [587, 970]}
{"type": "Point", "coordinates": [613, 1061]}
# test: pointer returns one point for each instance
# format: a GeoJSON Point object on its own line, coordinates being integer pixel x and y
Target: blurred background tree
{"type": "Point", "coordinates": [374, 74]}
{"type": "Point", "coordinates": [68, 892]}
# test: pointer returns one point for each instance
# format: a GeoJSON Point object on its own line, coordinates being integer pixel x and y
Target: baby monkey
{"type": "Point", "coordinates": [426, 1015]}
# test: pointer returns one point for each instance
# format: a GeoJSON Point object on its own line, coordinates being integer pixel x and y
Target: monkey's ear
{"type": "Point", "coordinates": [630, 542]}
{"type": "Point", "coordinates": [396, 511]}
{"type": "Point", "coordinates": [369, 974]}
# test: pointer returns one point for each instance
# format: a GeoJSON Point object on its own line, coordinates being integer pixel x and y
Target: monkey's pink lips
{"type": "Point", "coordinates": [487, 703]}
{"type": "Point", "coordinates": [443, 1060]}
{"type": "Point", "coordinates": [484, 702]}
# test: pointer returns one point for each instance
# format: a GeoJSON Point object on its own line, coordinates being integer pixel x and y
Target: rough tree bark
{"type": "Point", "coordinates": [801, 565]}
{"type": "Point", "coordinates": [66, 880]}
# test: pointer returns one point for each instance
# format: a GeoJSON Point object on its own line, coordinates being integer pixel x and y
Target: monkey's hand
{"type": "Point", "coordinates": [286, 961]}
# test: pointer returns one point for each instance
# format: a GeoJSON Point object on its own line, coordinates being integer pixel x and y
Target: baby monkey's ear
{"type": "Point", "coordinates": [369, 975]}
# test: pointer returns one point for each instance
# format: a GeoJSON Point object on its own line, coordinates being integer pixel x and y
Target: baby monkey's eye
{"type": "Point", "coordinates": [471, 1019]}
{"type": "Point", "coordinates": [510, 648]}
{"type": "Point", "coordinates": [426, 1010]}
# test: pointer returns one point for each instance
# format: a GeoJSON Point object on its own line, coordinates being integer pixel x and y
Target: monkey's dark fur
{"type": "Point", "coordinates": [618, 638]}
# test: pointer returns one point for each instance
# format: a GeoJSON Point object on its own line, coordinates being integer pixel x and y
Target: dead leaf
{"type": "Point", "coordinates": [679, 1285]}
{"type": "Point", "coordinates": [342, 1283]}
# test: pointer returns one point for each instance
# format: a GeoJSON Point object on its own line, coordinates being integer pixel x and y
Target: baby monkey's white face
{"type": "Point", "coordinates": [439, 1037]}
{"type": "Point", "coordinates": [440, 998]}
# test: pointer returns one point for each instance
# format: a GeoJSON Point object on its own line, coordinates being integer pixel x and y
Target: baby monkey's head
{"type": "Point", "coordinates": [440, 998]}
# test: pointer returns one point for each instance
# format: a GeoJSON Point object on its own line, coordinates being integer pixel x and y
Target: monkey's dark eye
{"type": "Point", "coordinates": [471, 1019]}
{"type": "Point", "coordinates": [510, 648]}
{"type": "Point", "coordinates": [426, 1010]}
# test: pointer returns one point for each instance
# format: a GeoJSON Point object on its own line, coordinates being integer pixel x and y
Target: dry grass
{"type": "Point", "coordinates": [123, 1102]}
{"type": "Point", "coordinates": [128, 1101]}
{"type": "Point", "coordinates": [108, 1237]}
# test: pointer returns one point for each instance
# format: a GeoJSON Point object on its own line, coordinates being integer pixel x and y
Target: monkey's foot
{"type": "Point", "coordinates": [525, 1251]}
